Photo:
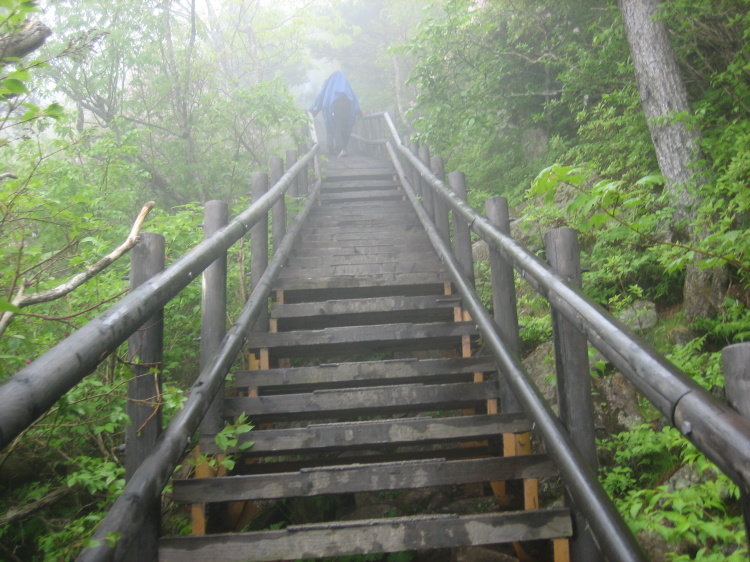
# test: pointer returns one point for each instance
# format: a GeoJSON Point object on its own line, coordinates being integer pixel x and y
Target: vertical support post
{"type": "Point", "coordinates": [278, 220]}
{"type": "Point", "coordinates": [573, 379]}
{"type": "Point", "coordinates": [461, 232]}
{"type": "Point", "coordinates": [214, 309]}
{"type": "Point", "coordinates": [145, 348]}
{"type": "Point", "coordinates": [414, 178]}
{"type": "Point", "coordinates": [259, 246]}
{"type": "Point", "coordinates": [213, 328]}
{"type": "Point", "coordinates": [303, 184]}
{"type": "Point", "coordinates": [506, 318]}
{"type": "Point", "coordinates": [291, 159]}
{"type": "Point", "coordinates": [440, 208]}
{"type": "Point", "coordinates": [427, 195]}
{"type": "Point", "coordinates": [736, 360]}
{"type": "Point", "coordinates": [504, 296]}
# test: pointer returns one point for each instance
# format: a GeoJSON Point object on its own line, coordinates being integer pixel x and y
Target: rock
{"type": "Point", "coordinates": [682, 335]}
{"type": "Point", "coordinates": [616, 403]}
{"type": "Point", "coordinates": [540, 365]}
{"type": "Point", "coordinates": [480, 251]}
{"type": "Point", "coordinates": [704, 291]}
{"type": "Point", "coordinates": [639, 316]}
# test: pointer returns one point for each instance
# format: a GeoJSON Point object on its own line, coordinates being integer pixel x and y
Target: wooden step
{"type": "Point", "coordinates": [342, 258]}
{"type": "Point", "coordinates": [354, 478]}
{"type": "Point", "coordinates": [352, 185]}
{"type": "Point", "coordinates": [418, 282]}
{"type": "Point", "coordinates": [353, 339]}
{"type": "Point", "coordinates": [402, 432]}
{"type": "Point", "coordinates": [355, 373]}
{"type": "Point", "coordinates": [372, 195]}
{"type": "Point", "coordinates": [377, 268]}
{"type": "Point", "coordinates": [370, 536]}
{"type": "Point", "coordinates": [383, 310]}
{"type": "Point", "coordinates": [358, 174]}
{"type": "Point", "coordinates": [355, 402]}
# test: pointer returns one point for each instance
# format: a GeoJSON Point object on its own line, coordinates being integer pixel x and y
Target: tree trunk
{"type": "Point", "coordinates": [665, 102]}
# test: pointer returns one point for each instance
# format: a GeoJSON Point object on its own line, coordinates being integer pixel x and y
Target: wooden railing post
{"type": "Point", "coordinates": [414, 178]}
{"type": "Point", "coordinates": [303, 184]}
{"type": "Point", "coordinates": [736, 360]}
{"type": "Point", "coordinates": [573, 379]}
{"type": "Point", "coordinates": [291, 159]}
{"type": "Point", "coordinates": [214, 309]}
{"type": "Point", "coordinates": [278, 220]}
{"type": "Point", "coordinates": [461, 232]}
{"type": "Point", "coordinates": [426, 189]}
{"type": "Point", "coordinates": [259, 246]}
{"type": "Point", "coordinates": [504, 296]}
{"type": "Point", "coordinates": [145, 349]}
{"type": "Point", "coordinates": [440, 208]}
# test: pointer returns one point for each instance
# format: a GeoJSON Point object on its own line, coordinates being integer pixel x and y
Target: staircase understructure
{"type": "Point", "coordinates": [368, 384]}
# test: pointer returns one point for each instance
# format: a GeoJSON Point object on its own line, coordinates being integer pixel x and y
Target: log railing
{"type": "Point", "coordinates": [715, 428]}
{"type": "Point", "coordinates": [131, 527]}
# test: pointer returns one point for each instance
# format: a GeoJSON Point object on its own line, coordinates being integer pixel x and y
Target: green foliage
{"type": "Point", "coordinates": [228, 440]}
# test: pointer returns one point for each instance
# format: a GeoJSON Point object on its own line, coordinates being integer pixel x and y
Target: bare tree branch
{"type": "Point", "coordinates": [21, 300]}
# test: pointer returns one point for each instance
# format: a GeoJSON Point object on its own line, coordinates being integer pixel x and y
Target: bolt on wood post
{"type": "Point", "coordinates": [573, 379]}
{"type": "Point", "coordinates": [736, 360]}
{"type": "Point", "coordinates": [259, 246]}
{"type": "Point", "coordinates": [440, 207]}
{"type": "Point", "coordinates": [278, 219]}
{"type": "Point", "coordinates": [427, 195]}
{"type": "Point", "coordinates": [461, 232]}
{"type": "Point", "coordinates": [213, 309]}
{"type": "Point", "coordinates": [145, 348]}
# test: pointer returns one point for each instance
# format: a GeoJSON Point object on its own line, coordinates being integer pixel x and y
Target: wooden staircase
{"type": "Point", "coordinates": [368, 381]}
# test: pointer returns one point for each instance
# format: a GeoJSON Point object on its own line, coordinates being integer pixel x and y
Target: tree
{"type": "Point", "coordinates": [676, 139]}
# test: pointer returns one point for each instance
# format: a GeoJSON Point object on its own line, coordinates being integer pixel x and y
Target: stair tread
{"type": "Point", "coordinates": [349, 402]}
{"type": "Point", "coordinates": [377, 433]}
{"type": "Point", "coordinates": [355, 478]}
{"type": "Point", "coordinates": [354, 372]}
{"type": "Point", "coordinates": [370, 536]}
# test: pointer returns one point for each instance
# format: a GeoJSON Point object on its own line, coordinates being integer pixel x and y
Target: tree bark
{"type": "Point", "coordinates": [665, 103]}
{"type": "Point", "coordinates": [24, 41]}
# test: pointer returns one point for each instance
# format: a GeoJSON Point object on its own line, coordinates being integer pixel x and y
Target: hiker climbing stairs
{"type": "Point", "coordinates": [367, 380]}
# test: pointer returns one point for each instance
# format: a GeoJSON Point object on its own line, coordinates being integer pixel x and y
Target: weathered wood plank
{"type": "Point", "coordinates": [377, 268]}
{"type": "Point", "coordinates": [468, 450]}
{"type": "Point", "coordinates": [358, 334]}
{"type": "Point", "coordinates": [370, 536]}
{"type": "Point", "coordinates": [359, 306]}
{"type": "Point", "coordinates": [354, 259]}
{"type": "Point", "coordinates": [316, 234]}
{"type": "Point", "coordinates": [330, 185]}
{"type": "Point", "coordinates": [346, 479]}
{"type": "Point", "coordinates": [356, 402]}
{"type": "Point", "coordinates": [388, 370]}
{"type": "Point", "coordinates": [407, 240]}
{"type": "Point", "coordinates": [401, 432]}
{"type": "Point", "coordinates": [337, 197]}
{"type": "Point", "coordinates": [358, 281]}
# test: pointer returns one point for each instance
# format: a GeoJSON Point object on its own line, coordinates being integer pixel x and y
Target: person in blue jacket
{"type": "Point", "coordinates": [340, 108]}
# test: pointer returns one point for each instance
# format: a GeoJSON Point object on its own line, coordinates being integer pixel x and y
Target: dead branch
{"type": "Point", "coordinates": [21, 300]}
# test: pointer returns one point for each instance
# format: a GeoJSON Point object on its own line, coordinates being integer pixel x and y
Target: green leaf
{"type": "Point", "coordinates": [6, 306]}
{"type": "Point", "coordinates": [14, 86]}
